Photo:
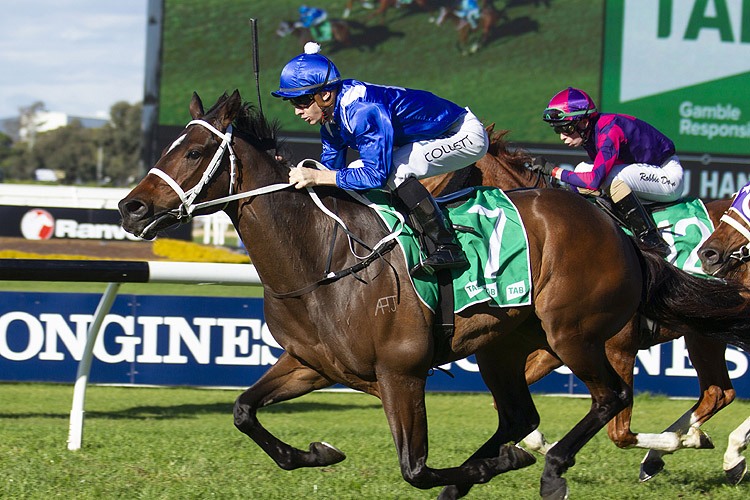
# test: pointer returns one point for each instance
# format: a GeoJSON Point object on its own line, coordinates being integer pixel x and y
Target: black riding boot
{"type": "Point", "coordinates": [637, 218]}
{"type": "Point", "coordinates": [442, 246]}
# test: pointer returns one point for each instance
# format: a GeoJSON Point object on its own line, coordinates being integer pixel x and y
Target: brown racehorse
{"type": "Point", "coordinates": [384, 5]}
{"type": "Point", "coordinates": [725, 254]}
{"type": "Point", "coordinates": [333, 332]}
{"type": "Point", "coordinates": [488, 17]}
{"type": "Point", "coordinates": [507, 169]}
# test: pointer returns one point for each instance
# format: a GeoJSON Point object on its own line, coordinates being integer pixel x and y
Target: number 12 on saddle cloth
{"type": "Point", "coordinates": [497, 250]}
{"type": "Point", "coordinates": [684, 225]}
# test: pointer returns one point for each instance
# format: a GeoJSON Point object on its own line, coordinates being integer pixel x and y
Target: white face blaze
{"type": "Point", "coordinates": [177, 142]}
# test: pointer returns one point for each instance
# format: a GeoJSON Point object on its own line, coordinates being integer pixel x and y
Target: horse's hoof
{"type": "Point", "coordinates": [560, 493]}
{"type": "Point", "coordinates": [449, 493]}
{"type": "Point", "coordinates": [650, 468]}
{"type": "Point", "coordinates": [325, 454]}
{"type": "Point", "coordinates": [736, 473]}
{"type": "Point", "coordinates": [705, 443]}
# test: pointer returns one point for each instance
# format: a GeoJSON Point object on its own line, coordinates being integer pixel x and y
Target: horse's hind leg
{"type": "Point", "coordinates": [707, 356]}
{"type": "Point", "coordinates": [286, 379]}
{"type": "Point", "coordinates": [404, 406]}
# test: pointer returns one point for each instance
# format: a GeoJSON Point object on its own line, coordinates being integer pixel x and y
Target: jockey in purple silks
{"type": "Point", "coordinates": [631, 159]}
{"type": "Point", "coordinates": [401, 134]}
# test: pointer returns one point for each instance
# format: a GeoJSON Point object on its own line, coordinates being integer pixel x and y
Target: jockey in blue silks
{"type": "Point", "coordinates": [311, 16]}
{"type": "Point", "coordinates": [469, 10]}
{"type": "Point", "coordinates": [402, 135]}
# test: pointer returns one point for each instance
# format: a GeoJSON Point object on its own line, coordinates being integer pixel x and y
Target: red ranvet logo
{"type": "Point", "coordinates": [37, 224]}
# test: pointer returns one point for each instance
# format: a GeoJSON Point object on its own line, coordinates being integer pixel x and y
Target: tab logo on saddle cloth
{"type": "Point", "coordinates": [497, 250]}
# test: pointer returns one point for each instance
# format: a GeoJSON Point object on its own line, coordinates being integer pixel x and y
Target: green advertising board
{"type": "Point", "coordinates": [683, 66]}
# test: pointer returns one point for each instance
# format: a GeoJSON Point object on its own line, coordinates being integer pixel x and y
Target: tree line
{"type": "Point", "coordinates": [109, 155]}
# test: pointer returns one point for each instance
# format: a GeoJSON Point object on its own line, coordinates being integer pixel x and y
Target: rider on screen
{"type": "Point", "coordinates": [630, 157]}
{"type": "Point", "coordinates": [402, 135]}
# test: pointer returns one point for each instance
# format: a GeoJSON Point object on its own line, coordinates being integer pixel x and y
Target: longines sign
{"type": "Point", "coordinates": [206, 341]}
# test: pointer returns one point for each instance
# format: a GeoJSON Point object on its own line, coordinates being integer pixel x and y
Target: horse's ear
{"type": "Point", "coordinates": [196, 107]}
{"type": "Point", "coordinates": [229, 110]}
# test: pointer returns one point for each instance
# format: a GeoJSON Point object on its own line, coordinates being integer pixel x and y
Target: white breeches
{"type": "Point", "coordinates": [464, 143]}
{"type": "Point", "coordinates": [649, 182]}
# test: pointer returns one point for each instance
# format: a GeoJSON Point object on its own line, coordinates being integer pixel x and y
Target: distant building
{"type": "Point", "coordinates": [20, 128]}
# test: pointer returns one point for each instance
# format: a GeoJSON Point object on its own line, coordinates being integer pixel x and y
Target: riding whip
{"type": "Point", "coordinates": [256, 65]}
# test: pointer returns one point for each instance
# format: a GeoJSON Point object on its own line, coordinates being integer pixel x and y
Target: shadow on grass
{"type": "Point", "coordinates": [153, 412]}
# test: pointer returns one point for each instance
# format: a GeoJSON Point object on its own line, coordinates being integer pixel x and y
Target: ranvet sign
{"type": "Point", "coordinates": [219, 341]}
{"type": "Point", "coordinates": [36, 223]}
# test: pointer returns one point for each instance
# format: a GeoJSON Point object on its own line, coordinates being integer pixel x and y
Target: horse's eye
{"type": "Point", "coordinates": [193, 154]}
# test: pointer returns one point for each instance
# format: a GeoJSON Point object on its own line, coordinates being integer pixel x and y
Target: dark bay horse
{"type": "Point", "coordinates": [329, 323]}
{"type": "Point", "coordinates": [507, 169]}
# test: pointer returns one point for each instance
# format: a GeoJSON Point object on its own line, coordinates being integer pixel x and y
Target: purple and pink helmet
{"type": "Point", "coordinates": [569, 105]}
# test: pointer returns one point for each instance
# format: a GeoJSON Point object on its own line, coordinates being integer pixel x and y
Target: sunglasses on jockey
{"type": "Point", "coordinates": [301, 101]}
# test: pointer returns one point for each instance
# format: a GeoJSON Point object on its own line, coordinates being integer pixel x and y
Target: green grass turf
{"type": "Point", "coordinates": [180, 443]}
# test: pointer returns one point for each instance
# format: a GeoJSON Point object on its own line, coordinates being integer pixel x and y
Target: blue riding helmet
{"type": "Point", "coordinates": [307, 74]}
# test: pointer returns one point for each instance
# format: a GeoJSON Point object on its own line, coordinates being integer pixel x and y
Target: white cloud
{"type": "Point", "coordinates": [76, 56]}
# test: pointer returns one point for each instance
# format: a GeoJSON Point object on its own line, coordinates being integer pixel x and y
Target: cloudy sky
{"type": "Point", "coordinates": [76, 56]}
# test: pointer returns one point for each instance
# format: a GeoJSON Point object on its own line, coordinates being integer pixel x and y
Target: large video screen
{"type": "Point", "coordinates": [533, 49]}
{"type": "Point", "coordinates": [682, 65]}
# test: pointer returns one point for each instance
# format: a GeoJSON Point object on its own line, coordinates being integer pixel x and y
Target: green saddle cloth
{"type": "Point", "coordinates": [496, 248]}
{"type": "Point", "coordinates": [684, 225]}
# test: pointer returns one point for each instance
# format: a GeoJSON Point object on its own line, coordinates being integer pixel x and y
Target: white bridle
{"type": "Point", "coordinates": [743, 252]}
{"type": "Point", "coordinates": [188, 205]}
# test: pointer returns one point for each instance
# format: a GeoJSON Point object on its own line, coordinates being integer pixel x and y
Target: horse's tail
{"type": "Point", "coordinates": [709, 307]}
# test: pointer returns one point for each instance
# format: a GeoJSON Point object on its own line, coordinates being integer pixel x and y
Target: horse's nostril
{"type": "Point", "coordinates": [133, 208]}
{"type": "Point", "coordinates": [709, 256]}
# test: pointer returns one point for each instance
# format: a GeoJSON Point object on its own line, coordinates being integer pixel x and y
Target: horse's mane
{"type": "Point", "coordinates": [498, 147]}
{"type": "Point", "coordinates": [253, 125]}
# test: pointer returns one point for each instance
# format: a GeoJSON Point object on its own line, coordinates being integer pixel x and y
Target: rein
{"type": "Point", "coordinates": [188, 207]}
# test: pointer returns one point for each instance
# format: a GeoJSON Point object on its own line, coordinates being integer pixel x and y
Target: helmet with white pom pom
{"type": "Point", "coordinates": [308, 73]}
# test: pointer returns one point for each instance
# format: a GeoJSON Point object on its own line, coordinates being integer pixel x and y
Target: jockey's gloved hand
{"type": "Point", "coordinates": [541, 164]}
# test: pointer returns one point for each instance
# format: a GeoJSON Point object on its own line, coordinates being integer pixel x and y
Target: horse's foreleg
{"type": "Point", "coordinates": [609, 395]}
{"type": "Point", "coordinates": [286, 379]}
{"type": "Point", "coordinates": [503, 372]}
{"type": "Point", "coordinates": [734, 463]}
{"type": "Point", "coordinates": [404, 406]}
{"type": "Point", "coordinates": [707, 356]}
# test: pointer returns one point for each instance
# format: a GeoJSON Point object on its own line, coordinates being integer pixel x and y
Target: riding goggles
{"type": "Point", "coordinates": [557, 114]}
{"type": "Point", "coordinates": [301, 101]}
{"type": "Point", "coordinates": [567, 129]}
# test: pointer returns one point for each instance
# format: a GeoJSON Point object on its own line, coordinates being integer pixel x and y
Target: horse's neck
{"type": "Point", "coordinates": [505, 175]}
{"type": "Point", "coordinates": [287, 236]}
